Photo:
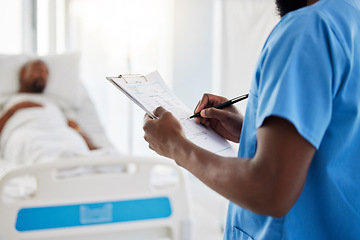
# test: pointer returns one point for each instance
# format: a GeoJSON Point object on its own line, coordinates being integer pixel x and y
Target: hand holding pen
{"type": "Point", "coordinates": [225, 104]}
{"type": "Point", "coordinates": [227, 122]}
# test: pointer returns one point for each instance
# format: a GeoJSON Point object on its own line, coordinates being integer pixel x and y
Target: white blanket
{"type": "Point", "coordinates": [39, 133]}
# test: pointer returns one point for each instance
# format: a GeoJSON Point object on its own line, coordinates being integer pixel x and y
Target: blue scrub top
{"type": "Point", "coordinates": [309, 73]}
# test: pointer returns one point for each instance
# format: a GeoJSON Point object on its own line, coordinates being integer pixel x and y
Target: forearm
{"type": "Point", "coordinates": [242, 181]}
{"type": "Point", "coordinates": [77, 128]}
{"type": "Point", "coordinates": [4, 118]}
{"type": "Point", "coordinates": [88, 141]}
{"type": "Point", "coordinates": [268, 184]}
{"type": "Point", "coordinates": [14, 109]}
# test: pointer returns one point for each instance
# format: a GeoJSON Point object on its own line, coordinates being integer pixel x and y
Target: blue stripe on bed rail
{"type": "Point", "coordinates": [38, 218]}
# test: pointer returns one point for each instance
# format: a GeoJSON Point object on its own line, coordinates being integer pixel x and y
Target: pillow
{"type": "Point", "coordinates": [10, 66]}
{"type": "Point", "coordinates": [63, 84]}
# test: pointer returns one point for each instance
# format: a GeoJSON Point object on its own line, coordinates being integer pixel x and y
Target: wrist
{"type": "Point", "coordinates": [185, 153]}
{"type": "Point", "coordinates": [180, 149]}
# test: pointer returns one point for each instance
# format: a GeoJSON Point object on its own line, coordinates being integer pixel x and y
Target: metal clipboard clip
{"type": "Point", "coordinates": [133, 78]}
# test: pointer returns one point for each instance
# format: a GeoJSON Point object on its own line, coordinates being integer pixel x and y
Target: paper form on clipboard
{"type": "Point", "coordinates": [150, 91]}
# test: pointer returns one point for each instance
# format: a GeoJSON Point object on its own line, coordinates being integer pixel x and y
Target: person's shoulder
{"type": "Point", "coordinates": [327, 13]}
{"type": "Point", "coordinates": [303, 19]}
{"type": "Point", "coordinates": [307, 22]}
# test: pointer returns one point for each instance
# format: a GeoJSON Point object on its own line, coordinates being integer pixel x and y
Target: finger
{"type": "Point", "coordinates": [210, 100]}
{"type": "Point", "coordinates": [203, 103]}
{"type": "Point", "coordinates": [160, 111]}
{"type": "Point", "coordinates": [203, 121]}
{"type": "Point", "coordinates": [198, 119]}
{"type": "Point", "coordinates": [197, 105]}
{"type": "Point", "coordinates": [146, 118]}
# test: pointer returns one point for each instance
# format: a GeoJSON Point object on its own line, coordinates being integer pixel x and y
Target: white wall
{"type": "Point", "coordinates": [216, 45]}
{"type": "Point", "coordinates": [245, 27]}
{"type": "Point", "coordinates": [193, 49]}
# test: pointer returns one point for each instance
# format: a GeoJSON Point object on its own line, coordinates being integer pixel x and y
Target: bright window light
{"type": "Point", "coordinates": [42, 27]}
{"type": "Point", "coordinates": [11, 27]}
{"type": "Point", "coordinates": [60, 26]}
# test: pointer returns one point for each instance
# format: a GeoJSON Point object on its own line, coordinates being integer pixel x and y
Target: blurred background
{"type": "Point", "coordinates": [197, 46]}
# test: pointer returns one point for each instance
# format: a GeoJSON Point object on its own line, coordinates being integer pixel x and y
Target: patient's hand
{"type": "Point", "coordinates": [25, 104]}
{"type": "Point", "coordinates": [74, 125]}
{"type": "Point", "coordinates": [77, 128]}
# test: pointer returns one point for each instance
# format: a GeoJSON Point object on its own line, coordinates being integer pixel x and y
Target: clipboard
{"type": "Point", "coordinates": [150, 91]}
{"type": "Point", "coordinates": [129, 79]}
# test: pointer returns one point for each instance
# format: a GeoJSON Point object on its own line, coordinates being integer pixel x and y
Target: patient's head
{"type": "Point", "coordinates": [33, 77]}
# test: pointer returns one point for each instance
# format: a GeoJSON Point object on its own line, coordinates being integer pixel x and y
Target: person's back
{"type": "Point", "coordinates": [309, 74]}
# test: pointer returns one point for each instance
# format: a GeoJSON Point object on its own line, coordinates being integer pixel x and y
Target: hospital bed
{"type": "Point", "coordinates": [98, 196]}
{"type": "Point", "coordinates": [91, 198]}
{"type": "Point", "coordinates": [64, 88]}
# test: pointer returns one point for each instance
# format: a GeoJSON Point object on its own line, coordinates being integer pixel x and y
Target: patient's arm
{"type": "Point", "coordinates": [88, 141]}
{"type": "Point", "coordinates": [8, 114]}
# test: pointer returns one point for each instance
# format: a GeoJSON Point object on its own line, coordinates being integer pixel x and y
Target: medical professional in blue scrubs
{"type": "Point", "coordinates": [297, 175]}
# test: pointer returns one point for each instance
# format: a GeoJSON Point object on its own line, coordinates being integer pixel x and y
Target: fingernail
{"type": "Point", "coordinates": [203, 113]}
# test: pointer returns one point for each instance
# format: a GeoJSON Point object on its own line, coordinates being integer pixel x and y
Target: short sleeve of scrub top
{"type": "Point", "coordinates": [295, 77]}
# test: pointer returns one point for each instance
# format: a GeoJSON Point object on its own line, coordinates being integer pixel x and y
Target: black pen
{"type": "Point", "coordinates": [225, 104]}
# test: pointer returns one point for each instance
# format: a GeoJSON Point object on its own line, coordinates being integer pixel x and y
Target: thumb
{"type": "Point", "coordinates": [160, 111]}
{"type": "Point", "coordinates": [213, 113]}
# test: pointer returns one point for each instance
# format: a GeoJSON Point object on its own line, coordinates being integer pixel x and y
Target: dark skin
{"type": "Point", "coordinates": [269, 183]}
{"type": "Point", "coordinates": [33, 79]}
{"type": "Point", "coordinates": [77, 128]}
{"type": "Point", "coordinates": [286, 6]}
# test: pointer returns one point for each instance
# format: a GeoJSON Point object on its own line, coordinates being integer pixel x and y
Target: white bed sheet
{"type": "Point", "coordinates": [39, 134]}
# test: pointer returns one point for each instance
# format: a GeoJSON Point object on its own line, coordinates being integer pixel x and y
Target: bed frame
{"type": "Point", "coordinates": [112, 197]}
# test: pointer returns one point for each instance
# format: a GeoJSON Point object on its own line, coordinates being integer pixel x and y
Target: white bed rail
{"type": "Point", "coordinates": [99, 197]}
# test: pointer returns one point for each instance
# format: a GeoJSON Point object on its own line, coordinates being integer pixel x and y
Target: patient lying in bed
{"type": "Point", "coordinates": [33, 128]}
